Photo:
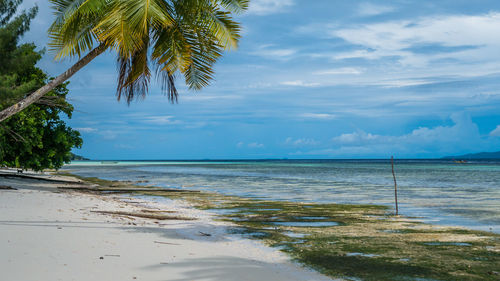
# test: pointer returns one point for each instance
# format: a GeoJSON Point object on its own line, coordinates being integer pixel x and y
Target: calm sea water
{"type": "Point", "coordinates": [440, 192]}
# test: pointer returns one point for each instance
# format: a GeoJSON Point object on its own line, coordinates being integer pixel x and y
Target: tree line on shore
{"type": "Point", "coordinates": [35, 138]}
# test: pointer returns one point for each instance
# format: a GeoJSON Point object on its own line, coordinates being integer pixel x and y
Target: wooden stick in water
{"type": "Point", "coordinates": [395, 185]}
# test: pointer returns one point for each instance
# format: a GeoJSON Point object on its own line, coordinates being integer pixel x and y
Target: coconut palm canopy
{"type": "Point", "coordinates": [162, 37]}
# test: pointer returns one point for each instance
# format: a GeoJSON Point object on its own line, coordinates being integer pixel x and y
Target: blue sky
{"type": "Point", "coordinates": [313, 79]}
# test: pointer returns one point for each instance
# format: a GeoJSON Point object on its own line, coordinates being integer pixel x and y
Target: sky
{"type": "Point", "coordinates": [311, 79]}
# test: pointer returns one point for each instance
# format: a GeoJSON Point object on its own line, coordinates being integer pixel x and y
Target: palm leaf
{"type": "Point", "coordinates": [173, 36]}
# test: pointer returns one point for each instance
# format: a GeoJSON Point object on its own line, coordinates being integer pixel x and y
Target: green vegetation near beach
{"type": "Point", "coordinates": [36, 138]}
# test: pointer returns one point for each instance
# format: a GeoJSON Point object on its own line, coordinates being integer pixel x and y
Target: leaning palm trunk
{"type": "Point", "coordinates": [173, 36]}
{"type": "Point", "coordinates": [35, 96]}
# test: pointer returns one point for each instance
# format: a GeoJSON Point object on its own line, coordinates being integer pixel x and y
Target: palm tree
{"type": "Point", "coordinates": [166, 37]}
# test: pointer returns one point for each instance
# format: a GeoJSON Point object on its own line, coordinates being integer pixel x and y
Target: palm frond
{"type": "Point", "coordinates": [223, 28]}
{"type": "Point", "coordinates": [129, 21]}
{"type": "Point", "coordinates": [134, 75]}
{"type": "Point", "coordinates": [204, 54]}
{"type": "Point", "coordinates": [184, 37]}
{"type": "Point", "coordinates": [171, 49]}
{"type": "Point", "coordinates": [72, 34]}
{"type": "Point", "coordinates": [167, 82]}
{"type": "Point", "coordinates": [234, 6]}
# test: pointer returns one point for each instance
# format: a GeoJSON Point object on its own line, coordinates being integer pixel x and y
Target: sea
{"type": "Point", "coordinates": [434, 191]}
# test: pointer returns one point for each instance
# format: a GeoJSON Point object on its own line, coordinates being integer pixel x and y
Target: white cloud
{"type": "Point", "coordinates": [463, 135]}
{"type": "Point", "coordinates": [317, 29]}
{"type": "Point", "coordinates": [339, 71]}
{"type": "Point", "coordinates": [355, 137]}
{"type": "Point", "coordinates": [299, 83]}
{"type": "Point", "coordinates": [370, 9]}
{"type": "Point", "coordinates": [301, 141]}
{"type": "Point", "coordinates": [398, 83]}
{"type": "Point", "coordinates": [270, 51]}
{"type": "Point", "coordinates": [255, 145]}
{"type": "Point", "coordinates": [109, 134]}
{"type": "Point", "coordinates": [86, 130]}
{"type": "Point", "coordinates": [495, 132]}
{"type": "Point", "coordinates": [471, 35]}
{"type": "Point", "coordinates": [250, 145]}
{"type": "Point", "coordinates": [267, 7]}
{"type": "Point", "coordinates": [322, 116]}
{"type": "Point", "coordinates": [160, 120]}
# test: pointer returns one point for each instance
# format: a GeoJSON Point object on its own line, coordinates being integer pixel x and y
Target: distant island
{"type": "Point", "coordinates": [480, 155]}
{"type": "Point", "coordinates": [77, 157]}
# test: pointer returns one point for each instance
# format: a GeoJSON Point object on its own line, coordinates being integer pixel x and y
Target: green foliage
{"type": "Point", "coordinates": [18, 74]}
{"type": "Point", "coordinates": [36, 138]}
{"type": "Point", "coordinates": [174, 36]}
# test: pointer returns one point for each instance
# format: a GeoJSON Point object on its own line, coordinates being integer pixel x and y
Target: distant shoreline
{"type": "Point", "coordinates": [382, 160]}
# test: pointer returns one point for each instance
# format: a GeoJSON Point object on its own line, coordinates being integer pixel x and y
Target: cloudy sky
{"type": "Point", "coordinates": [313, 79]}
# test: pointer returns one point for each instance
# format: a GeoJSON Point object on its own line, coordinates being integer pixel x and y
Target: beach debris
{"type": "Point", "coordinates": [204, 234]}
{"type": "Point", "coordinates": [166, 243]}
{"type": "Point", "coordinates": [447, 244]}
{"type": "Point", "coordinates": [494, 273]}
{"type": "Point", "coordinates": [39, 177]}
{"type": "Point", "coordinates": [6, 187]}
{"type": "Point", "coordinates": [124, 189]}
{"type": "Point", "coordinates": [143, 215]}
{"type": "Point", "coordinates": [156, 211]}
{"type": "Point", "coordinates": [101, 258]}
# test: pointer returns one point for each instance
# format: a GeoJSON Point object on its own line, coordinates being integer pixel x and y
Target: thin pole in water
{"type": "Point", "coordinates": [395, 185]}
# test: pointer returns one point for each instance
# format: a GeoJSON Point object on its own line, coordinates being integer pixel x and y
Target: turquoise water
{"type": "Point", "coordinates": [440, 192]}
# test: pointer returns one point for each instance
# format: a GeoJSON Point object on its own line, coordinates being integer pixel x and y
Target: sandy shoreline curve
{"type": "Point", "coordinates": [49, 234]}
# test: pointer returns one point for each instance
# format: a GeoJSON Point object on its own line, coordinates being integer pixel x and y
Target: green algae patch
{"type": "Point", "coordinates": [365, 242]}
{"type": "Point", "coordinates": [357, 242]}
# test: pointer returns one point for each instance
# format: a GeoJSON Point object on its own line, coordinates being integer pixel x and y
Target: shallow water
{"type": "Point", "coordinates": [440, 192]}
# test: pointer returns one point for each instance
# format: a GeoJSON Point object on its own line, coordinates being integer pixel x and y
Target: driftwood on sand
{"type": "Point", "coordinates": [144, 215]}
{"type": "Point", "coordinates": [77, 185]}
{"type": "Point", "coordinates": [35, 177]}
{"type": "Point", "coordinates": [124, 189]}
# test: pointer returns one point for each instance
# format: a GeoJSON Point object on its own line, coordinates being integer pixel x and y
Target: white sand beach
{"type": "Point", "coordinates": [46, 234]}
